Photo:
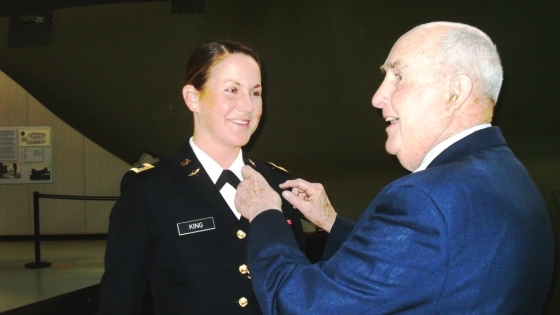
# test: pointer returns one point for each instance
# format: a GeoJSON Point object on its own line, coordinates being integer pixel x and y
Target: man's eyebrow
{"type": "Point", "coordinates": [390, 65]}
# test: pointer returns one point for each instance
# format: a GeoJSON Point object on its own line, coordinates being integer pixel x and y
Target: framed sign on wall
{"type": "Point", "coordinates": [26, 155]}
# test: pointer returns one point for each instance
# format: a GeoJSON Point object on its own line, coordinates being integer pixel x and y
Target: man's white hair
{"type": "Point", "coordinates": [467, 49]}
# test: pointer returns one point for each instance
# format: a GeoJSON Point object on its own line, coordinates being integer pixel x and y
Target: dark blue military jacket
{"type": "Point", "coordinates": [172, 228]}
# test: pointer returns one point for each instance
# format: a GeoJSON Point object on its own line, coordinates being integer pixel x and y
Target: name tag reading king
{"type": "Point", "coordinates": [196, 226]}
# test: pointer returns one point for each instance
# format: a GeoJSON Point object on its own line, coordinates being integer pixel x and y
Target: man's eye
{"type": "Point", "coordinates": [399, 77]}
{"type": "Point", "coordinates": [233, 90]}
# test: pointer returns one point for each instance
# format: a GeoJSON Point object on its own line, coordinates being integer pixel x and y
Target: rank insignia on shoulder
{"type": "Point", "coordinates": [278, 167]}
{"type": "Point", "coordinates": [145, 166]}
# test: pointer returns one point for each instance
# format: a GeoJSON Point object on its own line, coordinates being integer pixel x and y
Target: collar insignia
{"type": "Point", "coordinates": [185, 162]}
{"type": "Point", "coordinates": [195, 172]}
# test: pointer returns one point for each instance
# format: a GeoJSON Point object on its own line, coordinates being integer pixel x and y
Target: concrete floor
{"type": "Point", "coordinates": [75, 265]}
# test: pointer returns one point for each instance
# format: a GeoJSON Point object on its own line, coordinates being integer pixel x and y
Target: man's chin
{"type": "Point", "coordinates": [391, 148]}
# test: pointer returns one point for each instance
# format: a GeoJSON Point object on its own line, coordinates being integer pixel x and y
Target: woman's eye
{"type": "Point", "coordinates": [233, 90]}
{"type": "Point", "coordinates": [256, 93]}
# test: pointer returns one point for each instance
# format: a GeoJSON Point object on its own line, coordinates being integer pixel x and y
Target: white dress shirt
{"type": "Point", "coordinates": [214, 170]}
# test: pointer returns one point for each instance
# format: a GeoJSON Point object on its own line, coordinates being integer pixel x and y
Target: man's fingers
{"type": "Point", "coordinates": [296, 183]}
{"type": "Point", "coordinates": [300, 193]}
{"type": "Point", "coordinates": [293, 199]}
{"type": "Point", "coordinates": [247, 171]}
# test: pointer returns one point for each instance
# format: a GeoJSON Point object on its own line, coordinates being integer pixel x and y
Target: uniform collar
{"type": "Point", "coordinates": [433, 153]}
{"type": "Point", "coordinates": [213, 169]}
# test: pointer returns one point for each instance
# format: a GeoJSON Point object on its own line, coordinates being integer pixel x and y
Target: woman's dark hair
{"type": "Point", "coordinates": [207, 55]}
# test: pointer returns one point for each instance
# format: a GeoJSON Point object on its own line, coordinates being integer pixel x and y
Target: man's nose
{"type": "Point", "coordinates": [377, 99]}
{"type": "Point", "coordinates": [381, 97]}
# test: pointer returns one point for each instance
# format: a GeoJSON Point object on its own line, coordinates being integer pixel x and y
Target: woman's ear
{"type": "Point", "coordinates": [191, 96]}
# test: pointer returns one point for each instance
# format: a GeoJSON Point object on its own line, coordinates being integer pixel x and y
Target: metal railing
{"type": "Point", "coordinates": [37, 234]}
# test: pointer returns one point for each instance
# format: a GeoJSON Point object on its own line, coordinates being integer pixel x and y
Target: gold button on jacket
{"type": "Point", "coordinates": [243, 302]}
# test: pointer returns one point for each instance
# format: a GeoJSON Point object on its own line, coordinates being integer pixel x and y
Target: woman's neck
{"type": "Point", "coordinates": [223, 155]}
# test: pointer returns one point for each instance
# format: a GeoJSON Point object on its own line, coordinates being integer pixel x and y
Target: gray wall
{"type": "Point", "coordinates": [114, 72]}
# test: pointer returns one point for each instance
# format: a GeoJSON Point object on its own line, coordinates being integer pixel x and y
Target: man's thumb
{"type": "Point", "coordinates": [291, 198]}
{"type": "Point", "coordinates": [247, 171]}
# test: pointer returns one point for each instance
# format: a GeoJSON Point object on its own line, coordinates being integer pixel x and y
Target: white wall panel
{"type": "Point", "coordinates": [13, 103]}
{"type": "Point", "coordinates": [61, 216]}
{"type": "Point", "coordinates": [80, 167]}
{"type": "Point", "coordinates": [15, 217]}
{"type": "Point", "coordinates": [14, 199]}
{"type": "Point", "coordinates": [103, 173]}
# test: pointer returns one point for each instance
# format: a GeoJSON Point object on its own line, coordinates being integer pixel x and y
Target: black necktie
{"type": "Point", "coordinates": [227, 177]}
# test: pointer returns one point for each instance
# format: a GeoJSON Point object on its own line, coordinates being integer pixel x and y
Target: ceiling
{"type": "Point", "coordinates": [113, 70]}
{"type": "Point", "coordinates": [15, 7]}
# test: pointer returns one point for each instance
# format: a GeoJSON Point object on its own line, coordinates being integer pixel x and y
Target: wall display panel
{"type": "Point", "coordinates": [26, 155]}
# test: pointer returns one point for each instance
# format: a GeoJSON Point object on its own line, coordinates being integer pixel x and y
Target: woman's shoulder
{"type": "Point", "coordinates": [144, 173]}
{"type": "Point", "coordinates": [270, 170]}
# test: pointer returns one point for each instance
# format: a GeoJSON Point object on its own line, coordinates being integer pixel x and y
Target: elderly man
{"type": "Point", "coordinates": [467, 232]}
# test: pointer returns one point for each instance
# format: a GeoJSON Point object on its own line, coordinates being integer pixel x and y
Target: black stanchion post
{"type": "Point", "coordinates": [38, 263]}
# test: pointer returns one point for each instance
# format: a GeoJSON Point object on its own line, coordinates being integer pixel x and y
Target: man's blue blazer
{"type": "Point", "coordinates": [468, 235]}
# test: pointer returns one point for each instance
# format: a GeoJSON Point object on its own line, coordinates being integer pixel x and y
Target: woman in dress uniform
{"type": "Point", "coordinates": [175, 226]}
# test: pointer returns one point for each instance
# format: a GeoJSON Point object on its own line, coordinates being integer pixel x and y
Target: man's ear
{"type": "Point", "coordinates": [461, 88]}
{"type": "Point", "coordinates": [191, 97]}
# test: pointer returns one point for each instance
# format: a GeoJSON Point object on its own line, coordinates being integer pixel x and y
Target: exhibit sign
{"type": "Point", "coordinates": [26, 155]}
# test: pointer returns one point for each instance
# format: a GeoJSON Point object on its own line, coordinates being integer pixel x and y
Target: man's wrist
{"type": "Point", "coordinates": [331, 218]}
{"type": "Point", "coordinates": [256, 214]}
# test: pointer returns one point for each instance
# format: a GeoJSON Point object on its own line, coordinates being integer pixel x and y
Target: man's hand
{"type": "Point", "coordinates": [254, 195]}
{"type": "Point", "coordinates": [312, 201]}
